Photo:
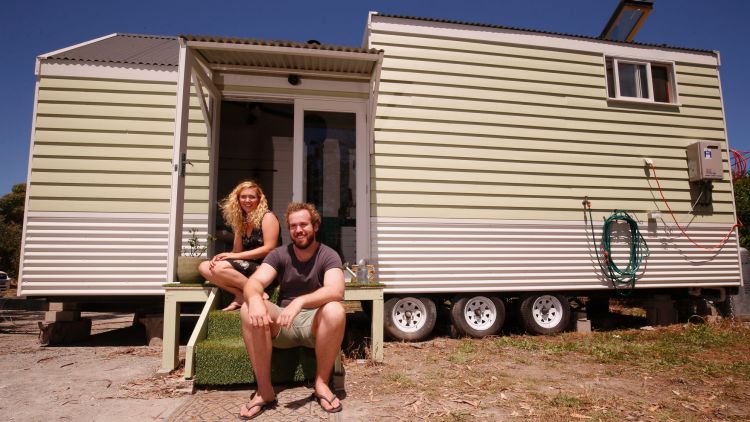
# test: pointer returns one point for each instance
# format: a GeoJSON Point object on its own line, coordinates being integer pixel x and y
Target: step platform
{"type": "Point", "coordinates": [221, 359]}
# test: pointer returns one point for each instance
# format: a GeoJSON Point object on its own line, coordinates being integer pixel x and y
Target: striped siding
{"type": "Point", "coordinates": [104, 145]}
{"type": "Point", "coordinates": [98, 253]}
{"type": "Point", "coordinates": [470, 128]}
{"type": "Point", "coordinates": [438, 256]}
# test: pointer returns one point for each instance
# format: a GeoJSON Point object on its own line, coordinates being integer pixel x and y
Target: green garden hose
{"type": "Point", "coordinates": [621, 279]}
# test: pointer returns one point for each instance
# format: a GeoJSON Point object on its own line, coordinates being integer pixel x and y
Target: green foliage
{"type": "Point", "coordinates": [195, 247]}
{"type": "Point", "coordinates": [742, 202]}
{"type": "Point", "coordinates": [11, 227]}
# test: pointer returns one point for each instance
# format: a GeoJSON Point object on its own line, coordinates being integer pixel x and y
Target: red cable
{"type": "Point", "coordinates": [717, 246]}
{"type": "Point", "coordinates": [739, 163]}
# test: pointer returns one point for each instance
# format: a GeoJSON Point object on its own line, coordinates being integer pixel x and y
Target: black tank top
{"type": "Point", "coordinates": [255, 240]}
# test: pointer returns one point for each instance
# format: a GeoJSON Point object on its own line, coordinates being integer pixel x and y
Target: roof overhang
{"type": "Point", "coordinates": [282, 57]}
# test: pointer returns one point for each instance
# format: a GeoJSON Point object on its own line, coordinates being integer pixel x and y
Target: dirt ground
{"type": "Point", "coordinates": [112, 377]}
{"type": "Point", "coordinates": [106, 378]}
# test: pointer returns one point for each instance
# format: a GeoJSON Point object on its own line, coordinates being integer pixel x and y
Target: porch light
{"type": "Point", "coordinates": [627, 20]}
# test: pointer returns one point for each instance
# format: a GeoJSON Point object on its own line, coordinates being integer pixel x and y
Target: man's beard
{"type": "Point", "coordinates": [304, 243]}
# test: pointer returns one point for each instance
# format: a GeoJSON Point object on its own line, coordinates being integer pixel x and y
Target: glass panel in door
{"type": "Point", "coordinates": [329, 181]}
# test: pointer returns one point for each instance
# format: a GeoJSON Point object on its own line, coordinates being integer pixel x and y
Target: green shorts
{"type": "Point", "coordinates": [300, 333]}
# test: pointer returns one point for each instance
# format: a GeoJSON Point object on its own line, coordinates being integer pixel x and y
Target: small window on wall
{"type": "Point", "coordinates": [641, 81]}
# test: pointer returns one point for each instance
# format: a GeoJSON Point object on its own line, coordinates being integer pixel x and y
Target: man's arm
{"type": "Point", "coordinates": [253, 292]}
{"type": "Point", "coordinates": [261, 278]}
{"type": "Point", "coordinates": [332, 291]}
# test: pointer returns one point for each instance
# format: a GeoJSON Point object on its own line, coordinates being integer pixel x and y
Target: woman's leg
{"type": "Point", "coordinates": [227, 278]}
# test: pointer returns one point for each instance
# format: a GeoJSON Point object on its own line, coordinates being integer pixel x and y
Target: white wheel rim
{"type": "Point", "coordinates": [409, 314]}
{"type": "Point", "coordinates": [480, 312]}
{"type": "Point", "coordinates": [547, 311]}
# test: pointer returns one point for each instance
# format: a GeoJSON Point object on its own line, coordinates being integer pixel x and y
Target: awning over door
{"type": "Point", "coordinates": [239, 54]}
{"type": "Point", "coordinates": [203, 58]}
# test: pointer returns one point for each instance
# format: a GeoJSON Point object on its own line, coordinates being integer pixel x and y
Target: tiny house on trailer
{"type": "Point", "coordinates": [470, 163]}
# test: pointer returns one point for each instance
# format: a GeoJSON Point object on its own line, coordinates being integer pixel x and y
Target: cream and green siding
{"type": "Point", "coordinates": [99, 179]}
{"type": "Point", "coordinates": [487, 140]}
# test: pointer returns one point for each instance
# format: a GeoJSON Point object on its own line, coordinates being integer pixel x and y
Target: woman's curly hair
{"type": "Point", "coordinates": [233, 213]}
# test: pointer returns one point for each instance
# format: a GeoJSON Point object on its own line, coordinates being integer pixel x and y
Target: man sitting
{"type": "Point", "coordinates": [311, 314]}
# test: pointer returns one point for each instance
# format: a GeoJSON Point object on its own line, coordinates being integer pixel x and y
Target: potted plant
{"type": "Point", "coordinates": [187, 262]}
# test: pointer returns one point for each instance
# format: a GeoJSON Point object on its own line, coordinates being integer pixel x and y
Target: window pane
{"type": "Point", "coordinates": [626, 78]}
{"type": "Point", "coordinates": [662, 87]}
{"type": "Point", "coordinates": [633, 80]}
{"type": "Point", "coordinates": [330, 180]}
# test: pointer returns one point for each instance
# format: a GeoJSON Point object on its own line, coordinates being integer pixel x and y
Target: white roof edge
{"type": "Point", "coordinates": [62, 50]}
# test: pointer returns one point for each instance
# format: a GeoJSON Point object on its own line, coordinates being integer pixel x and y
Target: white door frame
{"type": "Point", "coordinates": [359, 108]}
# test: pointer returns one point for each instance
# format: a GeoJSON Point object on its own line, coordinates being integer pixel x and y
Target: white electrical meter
{"type": "Point", "coordinates": [704, 161]}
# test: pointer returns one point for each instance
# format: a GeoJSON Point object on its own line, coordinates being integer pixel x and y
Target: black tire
{"type": "Point", "coordinates": [409, 318]}
{"type": "Point", "coordinates": [478, 316]}
{"type": "Point", "coordinates": [544, 313]}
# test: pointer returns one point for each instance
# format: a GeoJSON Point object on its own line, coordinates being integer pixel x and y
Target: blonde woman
{"type": "Point", "coordinates": [256, 233]}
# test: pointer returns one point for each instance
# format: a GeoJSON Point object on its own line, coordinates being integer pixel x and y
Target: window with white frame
{"type": "Point", "coordinates": [641, 81]}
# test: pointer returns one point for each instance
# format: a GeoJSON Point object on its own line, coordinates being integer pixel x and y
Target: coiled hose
{"type": "Point", "coordinates": [623, 280]}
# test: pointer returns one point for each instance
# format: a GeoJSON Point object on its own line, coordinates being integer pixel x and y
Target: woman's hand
{"type": "Point", "coordinates": [219, 257]}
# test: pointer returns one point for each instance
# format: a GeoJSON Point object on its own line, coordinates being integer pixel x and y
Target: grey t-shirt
{"type": "Point", "coordinates": [298, 278]}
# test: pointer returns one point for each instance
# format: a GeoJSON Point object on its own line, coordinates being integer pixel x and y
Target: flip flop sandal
{"type": "Point", "coordinates": [318, 398]}
{"type": "Point", "coordinates": [263, 406]}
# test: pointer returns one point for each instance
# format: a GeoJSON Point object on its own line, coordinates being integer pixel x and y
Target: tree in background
{"type": "Point", "coordinates": [11, 227]}
{"type": "Point", "coordinates": [742, 202]}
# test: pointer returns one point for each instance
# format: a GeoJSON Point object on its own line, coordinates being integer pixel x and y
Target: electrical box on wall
{"type": "Point", "coordinates": [704, 161]}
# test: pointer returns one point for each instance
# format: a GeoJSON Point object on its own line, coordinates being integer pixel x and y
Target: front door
{"type": "Point", "coordinates": [329, 141]}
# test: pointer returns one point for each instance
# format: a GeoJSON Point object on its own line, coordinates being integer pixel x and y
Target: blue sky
{"type": "Point", "coordinates": [31, 28]}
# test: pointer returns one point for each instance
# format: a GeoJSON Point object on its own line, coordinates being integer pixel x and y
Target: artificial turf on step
{"type": "Point", "coordinates": [221, 359]}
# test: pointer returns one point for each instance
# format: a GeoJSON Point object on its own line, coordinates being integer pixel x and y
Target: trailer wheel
{"type": "Point", "coordinates": [478, 316]}
{"type": "Point", "coordinates": [545, 313]}
{"type": "Point", "coordinates": [409, 318]}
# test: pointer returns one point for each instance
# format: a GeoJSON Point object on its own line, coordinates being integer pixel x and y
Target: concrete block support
{"type": "Point", "coordinates": [62, 316]}
{"type": "Point", "coordinates": [583, 323]}
{"type": "Point", "coordinates": [62, 306]}
{"type": "Point", "coordinates": [660, 310]}
{"type": "Point", "coordinates": [64, 332]}
{"type": "Point", "coordinates": [154, 325]}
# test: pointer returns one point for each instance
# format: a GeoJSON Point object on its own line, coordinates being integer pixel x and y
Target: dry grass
{"type": "Point", "coordinates": [691, 372]}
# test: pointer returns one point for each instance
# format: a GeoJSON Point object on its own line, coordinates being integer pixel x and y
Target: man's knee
{"type": "Point", "coordinates": [333, 312]}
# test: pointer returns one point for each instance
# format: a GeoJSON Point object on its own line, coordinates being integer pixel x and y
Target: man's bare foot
{"type": "Point", "coordinates": [255, 407]}
{"type": "Point", "coordinates": [326, 399]}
